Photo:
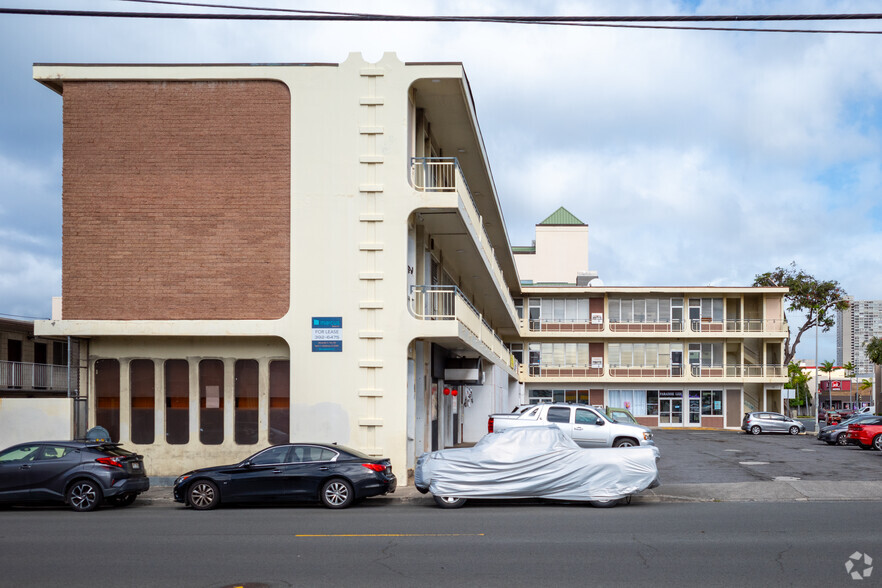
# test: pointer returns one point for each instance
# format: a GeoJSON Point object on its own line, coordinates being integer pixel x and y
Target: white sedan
{"type": "Point", "coordinates": [535, 462]}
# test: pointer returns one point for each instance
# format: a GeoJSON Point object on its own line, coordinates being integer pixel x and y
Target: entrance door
{"type": "Point", "coordinates": [694, 411]}
{"type": "Point", "coordinates": [670, 411]}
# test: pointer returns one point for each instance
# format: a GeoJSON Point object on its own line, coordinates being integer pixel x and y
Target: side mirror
{"type": "Point", "coordinates": [599, 422]}
{"type": "Point", "coordinates": [246, 464]}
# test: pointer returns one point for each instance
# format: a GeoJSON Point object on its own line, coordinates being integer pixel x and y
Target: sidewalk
{"type": "Point", "coordinates": [777, 491]}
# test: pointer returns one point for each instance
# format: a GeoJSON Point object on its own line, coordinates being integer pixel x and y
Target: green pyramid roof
{"type": "Point", "coordinates": [562, 216]}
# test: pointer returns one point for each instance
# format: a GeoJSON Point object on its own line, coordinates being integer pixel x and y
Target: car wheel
{"type": "Point", "coordinates": [877, 442]}
{"type": "Point", "coordinates": [755, 430]}
{"type": "Point", "coordinates": [84, 496]}
{"type": "Point", "coordinates": [606, 503]}
{"type": "Point", "coordinates": [842, 439]}
{"type": "Point", "coordinates": [337, 493]}
{"type": "Point", "coordinates": [203, 495]}
{"type": "Point", "coordinates": [625, 443]}
{"type": "Point", "coordinates": [123, 499]}
{"type": "Point", "coordinates": [449, 501]}
{"type": "Point", "coordinates": [794, 430]}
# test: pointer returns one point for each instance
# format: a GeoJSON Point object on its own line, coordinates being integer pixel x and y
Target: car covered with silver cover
{"type": "Point", "coordinates": [535, 462]}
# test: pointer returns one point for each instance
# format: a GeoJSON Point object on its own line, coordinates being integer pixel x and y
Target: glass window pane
{"type": "Point", "coordinates": [706, 308]}
{"type": "Point", "coordinates": [107, 396]}
{"type": "Point", "coordinates": [584, 354]}
{"type": "Point", "coordinates": [627, 311]}
{"type": "Point", "coordinates": [279, 402]}
{"type": "Point", "coordinates": [583, 313]}
{"type": "Point", "coordinates": [638, 358]}
{"type": "Point", "coordinates": [559, 354]}
{"type": "Point", "coordinates": [627, 354]}
{"type": "Point", "coordinates": [639, 311]}
{"type": "Point", "coordinates": [571, 354]}
{"type": "Point", "coordinates": [141, 385]}
{"type": "Point", "coordinates": [245, 390]}
{"type": "Point", "coordinates": [652, 310]}
{"type": "Point", "coordinates": [177, 401]}
{"type": "Point", "coordinates": [558, 309]}
{"type": "Point", "coordinates": [211, 401]}
{"type": "Point", "coordinates": [615, 354]}
{"type": "Point", "coordinates": [547, 309]}
{"type": "Point", "coordinates": [570, 309]}
{"type": "Point", "coordinates": [718, 310]}
{"type": "Point", "coordinates": [664, 310]}
{"type": "Point", "coordinates": [615, 310]}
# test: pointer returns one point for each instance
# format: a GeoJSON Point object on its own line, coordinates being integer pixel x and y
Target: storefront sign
{"type": "Point", "coordinates": [327, 333]}
{"type": "Point", "coordinates": [670, 394]}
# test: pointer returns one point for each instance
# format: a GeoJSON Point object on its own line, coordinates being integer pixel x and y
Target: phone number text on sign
{"type": "Point", "coordinates": [327, 333]}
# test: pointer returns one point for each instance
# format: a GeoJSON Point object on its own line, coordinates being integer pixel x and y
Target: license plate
{"type": "Point", "coordinates": [136, 466]}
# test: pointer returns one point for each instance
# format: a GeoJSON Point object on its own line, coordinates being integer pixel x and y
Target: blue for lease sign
{"type": "Point", "coordinates": [327, 333]}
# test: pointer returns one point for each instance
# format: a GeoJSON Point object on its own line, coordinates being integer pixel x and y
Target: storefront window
{"type": "Point", "coordinates": [712, 402]}
{"type": "Point", "coordinates": [245, 393]}
{"type": "Point", "coordinates": [652, 402]}
{"type": "Point", "coordinates": [280, 402]}
{"type": "Point", "coordinates": [211, 401]}
{"type": "Point", "coordinates": [142, 387]}
{"type": "Point", "coordinates": [107, 396]}
{"type": "Point", "coordinates": [177, 401]}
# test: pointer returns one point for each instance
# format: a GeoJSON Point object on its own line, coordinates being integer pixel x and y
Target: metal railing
{"type": "Point", "coordinates": [564, 326]}
{"type": "Point", "coordinates": [449, 303]}
{"type": "Point", "coordinates": [565, 371]}
{"type": "Point", "coordinates": [16, 375]}
{"type": "Point", "coordinates": [443, 174]}
{"type": "Point", "coordinates": [756, 325]}
{"type": "Point", "coordinates": [657, 371]}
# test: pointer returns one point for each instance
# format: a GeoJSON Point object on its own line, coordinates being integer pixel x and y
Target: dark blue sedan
{"type": "Point", "coordinates": [335, 475]}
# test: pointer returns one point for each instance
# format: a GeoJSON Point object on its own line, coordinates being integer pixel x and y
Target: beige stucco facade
{"type": "Point", "coordinates": [397, 239]}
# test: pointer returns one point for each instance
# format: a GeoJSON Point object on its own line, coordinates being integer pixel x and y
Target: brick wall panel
{"type": "Point", "coordinates": [176, 200]}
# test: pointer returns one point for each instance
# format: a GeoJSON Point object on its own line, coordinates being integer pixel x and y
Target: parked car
{"type": "Point", "coordinates": [335, 475]}
{"type": "Point", "coordinates": [81, 474]}
{"type": "Point", "coordinates": [822, 414]}
{"type": "Point", "coordinates": [621, 415]}
{"type": "Point", "coordinates": [770, 422]}
{"type": "Point", "coordinates": [837, 416]}
{"type": "Point", "coordinates": [867, 435]}
{"type": "Point", "coordinates": [535, 462]}
{"type": "Point", "coordinates": [838, 434]}
{"type": "Point", "coordinates": [584, 424]}
{"type": "Point", "coordinates": [868, 409]}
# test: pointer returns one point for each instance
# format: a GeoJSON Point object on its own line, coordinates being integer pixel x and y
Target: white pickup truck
{"type": "Point", "coordinates": [586, 425]}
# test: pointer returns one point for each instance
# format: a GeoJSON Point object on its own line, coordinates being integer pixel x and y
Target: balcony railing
{"type": "Point", "coordinates": [666, 327]}
{"type": "Point", "coordinates": [449, 303]}
{"type": "Point", "coordinates": [564, 326]}
{"type": "Point", "coordinates": [16, 375]}
{"type": "Point", "coordinates": [756, 326]}
{"type": "Point", "coordinates": [443, 174]}
{"type": "Point", "coordinates": [652, 371]}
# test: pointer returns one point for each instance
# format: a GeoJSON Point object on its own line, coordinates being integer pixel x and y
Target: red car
{"type": "Point", "coordinates": [834, 417]}
{"type": "Point", "coordinates": [866, 435]}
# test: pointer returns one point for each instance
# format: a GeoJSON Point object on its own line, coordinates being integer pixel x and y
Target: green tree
{"type": "Point", "coordinates": [828, 367]}
{"type": "Point", "coordinates": [799, 382]}
{"type": "Point", "coordinates": [865, 385]}
{"type": "Point", "coordinates": [874, 354]}
{"type": "Point", "coordinates": [849, 373]}
{"type": "Point", "coordinates": [817, 299]}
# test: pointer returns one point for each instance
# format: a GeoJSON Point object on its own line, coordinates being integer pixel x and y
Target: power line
{"type": "Point", "coordinates": [593, 21]}
{"type": "Point", "coordinates": [21, 316]}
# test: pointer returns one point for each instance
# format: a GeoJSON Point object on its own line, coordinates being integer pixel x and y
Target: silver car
{"type": "Point", "coordinates": [770, 422]}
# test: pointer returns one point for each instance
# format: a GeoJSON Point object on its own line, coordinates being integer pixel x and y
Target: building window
{"type": "Point", "coordinates": [633, 400]}
{"type": "Point", "coordinates": [141, 385]}
{"type": "Point", "coordinates": [211, 401]}
{"type": "Point", "coordinates": [245, 392]}
{"type": "Point", "coordinates": [177, 401]}
{"type": "Point", "coordinates": [107, 396]}
{"type": "Point", "coordinates": [639, 310]}
{"type": "Point", "coordinates": [517, 350]}
{"type": "Point", "coordinates": [279, 402]}
{"type": "Point", "coordinates": [712, 402]}
{"type": "Point", "coordinates": [59, 353]}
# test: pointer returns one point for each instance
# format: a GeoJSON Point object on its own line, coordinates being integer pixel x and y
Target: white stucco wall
{"type": "Point", "coordinates": [34, 419]}
{"type": "Point", "coordinates": [561, 253]}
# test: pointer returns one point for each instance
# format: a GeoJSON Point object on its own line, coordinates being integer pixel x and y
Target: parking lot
{"type": "Point", "coordinates": [706, 457]}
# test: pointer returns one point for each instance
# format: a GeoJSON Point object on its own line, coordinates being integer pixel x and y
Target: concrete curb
{"type": "Point", "coordinates": [775, 491]}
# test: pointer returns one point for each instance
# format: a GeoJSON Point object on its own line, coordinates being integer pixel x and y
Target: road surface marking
{"type": "Point", "coordinates": [399, 535]}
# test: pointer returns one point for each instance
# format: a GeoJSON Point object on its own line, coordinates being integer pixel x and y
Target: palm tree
{"type": "Point", "coordinates": [828, 367]}
{"type": "Point", "coordinates": [864, 385]}
{"type": "Point", "coordinates": [874, 354]}
{"type": "Point", "coordinates": [849, 373]}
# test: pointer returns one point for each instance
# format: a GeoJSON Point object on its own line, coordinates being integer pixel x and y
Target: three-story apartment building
{"type": "Point", "coordinates": [258, 253]}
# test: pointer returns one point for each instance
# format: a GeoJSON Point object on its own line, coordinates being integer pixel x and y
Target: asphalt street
{"type": "Point", "coordinates": [417, 544]}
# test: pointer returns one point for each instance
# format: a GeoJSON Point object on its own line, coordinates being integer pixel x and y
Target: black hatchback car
{"type": "Point", "coordinates": [335, 475]}
{"type": "Point", "coordinates": [81, 474]}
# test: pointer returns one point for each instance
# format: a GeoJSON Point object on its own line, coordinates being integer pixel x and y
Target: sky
{"type": "Point", "coordinates": [695, 157]}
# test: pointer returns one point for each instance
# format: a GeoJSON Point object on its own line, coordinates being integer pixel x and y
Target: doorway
{"type": "Point", "coordinates": [670, 412]}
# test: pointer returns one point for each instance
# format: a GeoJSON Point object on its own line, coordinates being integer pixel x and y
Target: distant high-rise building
{"type": "Point", "coordinates": [855, 326]}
